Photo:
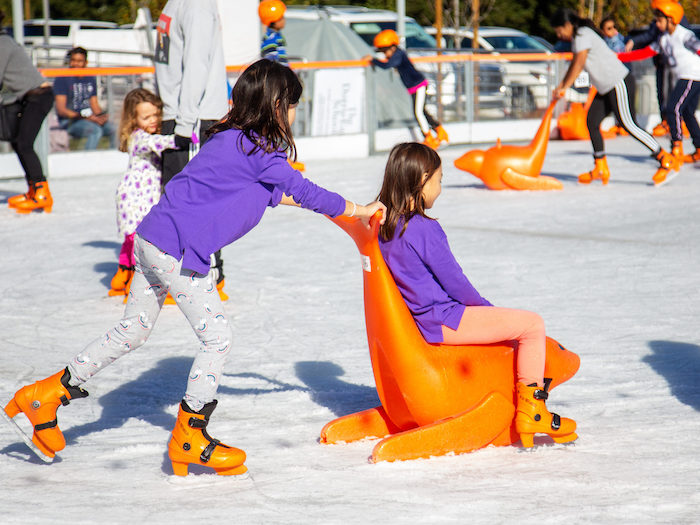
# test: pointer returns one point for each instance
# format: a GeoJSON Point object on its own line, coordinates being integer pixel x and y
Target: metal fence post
{"type": "Point", "coordinates": [370, 110]}
{"type": "Point", "coordinates": [469, 90]}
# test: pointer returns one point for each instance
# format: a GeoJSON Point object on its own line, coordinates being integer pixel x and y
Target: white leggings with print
{"type": "Point", "coordinates": [157, 273]}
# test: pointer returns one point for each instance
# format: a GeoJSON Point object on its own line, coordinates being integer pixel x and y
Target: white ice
{"type": "Point", "coordinates": [615, 272]}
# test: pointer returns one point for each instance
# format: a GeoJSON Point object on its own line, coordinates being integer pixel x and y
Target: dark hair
{"type": "Point", "coordinates": [402, 189]}
{"type": "Point", "coordinates": [2, 17]}
{"type": "Point", "coordinates": [128, 122]}
{"type": "Point", "coordinates": [260, 100]}
{"type": "Point", "coordinates": [562, 16]}
{"type": "Point", "coordinates": [607, 19]}
{"type": "Point", "coordinates": [77, 51]}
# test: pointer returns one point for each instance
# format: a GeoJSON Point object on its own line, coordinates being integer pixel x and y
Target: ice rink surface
{"type": "Point", "coordinates": [614, 271]}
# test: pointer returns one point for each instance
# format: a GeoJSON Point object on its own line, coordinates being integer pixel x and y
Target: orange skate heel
{"type": "Point", "coordinates": [39, 402]}
{"type": "Point", "coordinates": [599, 172]}
{"type": "Point", "coordinates": [41, 201]}
{"type": "Point", "coordinates": [190, 444]}
{"type": "Point", "coordinates": [677, 151]}
{"type": "Point", "coordinates": [16, 199]}
{"type": "Point", "coordinates": [668, 164]}
{"type": "Point", "coordinates": [442, 134]}
{"type": "Point", "coordinates": [532, 416]}
{"type": "Point", "coordinates": [121, 280]}
{"type": "Point", "coordinates": [431, 141]}
{"type": "Point", "coordinates": [660, 129]}
{"type": "Point", "coordinates": [694, 157]}
{"type": "Point", "coordinates": [220, 289]}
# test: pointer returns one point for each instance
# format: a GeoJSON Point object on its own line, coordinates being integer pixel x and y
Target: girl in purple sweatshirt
{"type": "Point", "coordinates": [219, 197]}
{"type": "Point", "coordinates": [444, 304]}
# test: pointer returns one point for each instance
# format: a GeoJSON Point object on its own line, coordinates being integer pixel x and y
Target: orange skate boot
{"type": "Point", "coordinates": [532, 416]}
{"type": "Point", "coordinates": [39, 402]}
{"type": "Point", "coordinates": [41, 201]}
{"type": "Point", "coordinates": [431, 141]}
{"type": "Point", "coordinates": [677, 151]}
{"type": "Point", "coordinates": [16, 199]}
{"type": "Point", "coordinates": [121, 280]}
{"type": "Point", "coordinates": [600, 171]}
{"type": "Point", "coordinates": [694, 157]}
{"type": "Point", "coordinates": [442, 135]}
{"type": "Point", "coordinates": [191, 444]}
{"type": "Point", "coordinates": [660, 129]}
{"type": "Point", "coordinates": [669, 167]}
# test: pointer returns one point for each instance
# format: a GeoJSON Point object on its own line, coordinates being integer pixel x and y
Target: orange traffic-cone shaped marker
{"type": "Point", "coordinates": [39, 402]}
{"type": "Point", "coordinates": [121, 280]}
{"type": "Point", "coordinates": [668, 164]}
{"type": "Point", "coordinates": [599, 172]}
{"type": "Point", "coordinates": [41, 201]}
{"type": "Point", "coordinates": [23, 197]}
{"type": "Point", "coordinates": [532, 416]}
{"type": "Point", "coordinates": [190, 444]}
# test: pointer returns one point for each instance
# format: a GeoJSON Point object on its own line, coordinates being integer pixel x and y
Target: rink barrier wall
{"type": "Point", "coordinates": [357, 145]}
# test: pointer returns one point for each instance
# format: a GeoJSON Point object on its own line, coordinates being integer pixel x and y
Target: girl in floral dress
{"type": "Point", "coordinates": [139, 189]}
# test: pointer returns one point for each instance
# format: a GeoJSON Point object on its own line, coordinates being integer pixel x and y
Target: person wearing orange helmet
{"type": "Point", "coordinates": [387, 42]}
{"type": "Point", "coordinates": [663, 74]}
{"type": "Point", "coordinates": [680, 46]}
{"type": "Point", "coordinates": [273, 46]}
{"type": "Point", "coordinates": [615, 87]}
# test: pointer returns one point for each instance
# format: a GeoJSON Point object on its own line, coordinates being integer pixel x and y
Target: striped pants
{"type": "Point", "coordinates": [681, 105]}
{"type": "Point", "coordinates": [617, 101]}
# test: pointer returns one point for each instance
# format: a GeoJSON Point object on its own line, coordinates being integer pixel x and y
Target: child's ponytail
{"type": "Point", "coordinates": [564, 15]}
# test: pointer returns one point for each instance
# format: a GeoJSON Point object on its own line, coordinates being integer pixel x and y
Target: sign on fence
{"type": "Point", "coordinates": [339, 101]}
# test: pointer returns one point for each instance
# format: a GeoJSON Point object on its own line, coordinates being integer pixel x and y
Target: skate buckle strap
{"type": "Point", "coordinates": [556, 421]}
{"type": "Point", "coordinates": [206, 455]}
{"type": "Point", "coordinates": [44, 426]}
{"type": "Point", "coordinates": [197, 423]}
{"type": "Point", "coordinates": [65, 401]}
{"type": "Point", "coordinates": [540, 394]}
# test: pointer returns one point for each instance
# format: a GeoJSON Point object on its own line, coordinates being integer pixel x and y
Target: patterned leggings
{"type": "Point", "coordinates": [157, 273]}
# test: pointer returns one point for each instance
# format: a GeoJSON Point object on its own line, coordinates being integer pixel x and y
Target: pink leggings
{"type": "Point", "coordinates": [126, 255]}
{"type": "Point", "coordinates": [490, 324]}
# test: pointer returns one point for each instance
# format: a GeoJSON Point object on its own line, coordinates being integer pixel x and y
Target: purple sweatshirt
{"type": "Point", "coordinates": [428, 276]}
{"type": "Point", "coordinates": [221, 195]}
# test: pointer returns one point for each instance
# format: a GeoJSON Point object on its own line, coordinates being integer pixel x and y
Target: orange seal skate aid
{"type": "Point", "coordinates": [513, 167]}
{"type": "Point", "coordinates": [435, 398]}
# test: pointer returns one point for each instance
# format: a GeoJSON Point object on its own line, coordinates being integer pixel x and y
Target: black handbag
{"type": "Point", "coordinates": [9, 120]}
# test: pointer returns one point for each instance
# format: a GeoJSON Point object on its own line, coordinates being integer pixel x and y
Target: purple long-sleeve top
{"type": "Point", "coordinates": [429, 277]}
{"type": "Point", "coordinates": [222, 194]}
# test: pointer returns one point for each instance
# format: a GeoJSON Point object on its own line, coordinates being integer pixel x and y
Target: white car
{"type": "Point", "coordinates": [529, 82]}
{"type": "Point", "coordinates": [368, 22]}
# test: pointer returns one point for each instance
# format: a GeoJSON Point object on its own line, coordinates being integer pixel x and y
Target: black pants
{"type": "Point", "coordinates": [681, 105]}
{"type": "Point", "coordinates": [617, 101]}
{"type": "Point", "coordinates": [174, 161]}
{"type": "Point", "coordinates": [36, 105]}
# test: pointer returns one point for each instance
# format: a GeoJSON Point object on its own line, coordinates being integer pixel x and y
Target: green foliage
{"type": "Point", "coordinates": [531, 16]}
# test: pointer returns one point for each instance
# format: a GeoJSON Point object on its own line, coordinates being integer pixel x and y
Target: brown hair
{"type": "Point", "coordinates": [402, 189]}
{"type": "Point", "coordinates": [128, 122]}
{"type": "Point", "coordinates": [260, 99]}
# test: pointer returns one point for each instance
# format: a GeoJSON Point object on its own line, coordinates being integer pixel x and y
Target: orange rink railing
{"type": "Point", "coordinates": [326, 64]}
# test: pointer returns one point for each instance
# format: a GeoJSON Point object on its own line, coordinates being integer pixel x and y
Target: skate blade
{"type": "Point", "coordinates": [27, 440]}
{"type": "Point", "coordinates": [672, 175]}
